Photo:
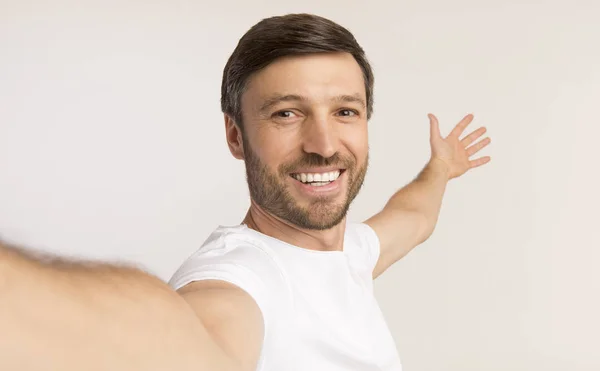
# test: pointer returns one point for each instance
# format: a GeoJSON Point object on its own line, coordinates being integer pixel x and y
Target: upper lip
{"type": "Point", "coordinates": [318, 170]}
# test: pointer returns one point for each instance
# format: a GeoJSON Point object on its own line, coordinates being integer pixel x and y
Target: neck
{"type": "Point", "coordinates": [321, 240]}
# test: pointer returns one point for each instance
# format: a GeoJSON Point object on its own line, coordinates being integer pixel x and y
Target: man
{"type": "Point", "coordinates": [288, 289]}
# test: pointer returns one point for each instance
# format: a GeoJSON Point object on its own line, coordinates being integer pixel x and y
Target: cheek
{"type": "Point", "coordinates": [357, 141]}
{"type": "Point", "coordinates": [274, 150]}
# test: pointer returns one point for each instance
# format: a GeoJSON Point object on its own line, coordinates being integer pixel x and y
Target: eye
{"type": "Point", "coordinates": [283, 114]}
{"type": "Point", "coordinates": [347, 112]}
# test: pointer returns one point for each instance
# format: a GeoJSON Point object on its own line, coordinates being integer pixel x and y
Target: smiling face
{"type": "Point", "coordinates": [305, 141]}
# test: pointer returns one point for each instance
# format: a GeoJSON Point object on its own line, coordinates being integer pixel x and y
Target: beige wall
{"type": "Point", "coordinates": [112, 147]}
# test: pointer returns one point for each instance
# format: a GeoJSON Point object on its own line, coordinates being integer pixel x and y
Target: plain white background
{"type": "Point", "coordinates": [112, 147]}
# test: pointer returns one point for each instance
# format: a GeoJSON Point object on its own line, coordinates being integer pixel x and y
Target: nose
{"type": "Point", "coordinates": [320, 136]}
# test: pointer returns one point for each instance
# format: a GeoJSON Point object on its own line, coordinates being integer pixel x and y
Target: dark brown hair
{"type": "Point", "coordinates": [281, 36]}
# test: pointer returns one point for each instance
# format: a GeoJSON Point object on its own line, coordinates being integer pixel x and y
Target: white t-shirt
{"type": "Point", "coordinates": [318, 306]}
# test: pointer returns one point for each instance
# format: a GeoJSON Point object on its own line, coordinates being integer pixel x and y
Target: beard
{"type": "Point", "coordinates": [269, 189]}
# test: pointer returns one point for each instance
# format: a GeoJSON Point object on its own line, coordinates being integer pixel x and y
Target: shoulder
{"type": "Point", "coordinates": [229, 282]}
{"type": "Point", "coordinates": [228, 251]}
{"type": "Point", "coordinates": [362, 241]}
{"type": "Point", "coordinates": [236, 266]}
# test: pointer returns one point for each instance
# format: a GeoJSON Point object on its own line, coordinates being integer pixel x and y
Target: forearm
{"type": "Point", "coordinates": [65, 316]}
{"type": "Point", "coordinates": [424, 194]}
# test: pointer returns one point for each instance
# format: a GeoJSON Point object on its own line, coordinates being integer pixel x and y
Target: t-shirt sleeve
{"type": "Point", "coordinates": [243, 265]}
{"type": "Point", "coordinates": [369, 243]}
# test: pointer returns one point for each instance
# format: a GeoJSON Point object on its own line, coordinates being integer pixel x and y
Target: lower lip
{"type": "Point", "coordinates": [320, 190]}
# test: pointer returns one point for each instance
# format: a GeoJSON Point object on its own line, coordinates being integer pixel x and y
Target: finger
{"type": "Point", "coordinates": [466, 141]}
{"type": "Point", "coordinates": [480, 161]}
{"type": "Point", "coordinates": [434, 126]}
{"type": "Point", "coordinates": [478, 146]}
{"type": "Point", "coordinates": [461, 126]}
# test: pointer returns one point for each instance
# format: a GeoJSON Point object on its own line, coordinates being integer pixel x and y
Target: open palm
{"type": "Point", "coordinates": [455, 152]}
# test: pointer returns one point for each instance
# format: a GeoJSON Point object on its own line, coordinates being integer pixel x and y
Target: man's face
{"type": "Point", "coordinates": [305, 138]}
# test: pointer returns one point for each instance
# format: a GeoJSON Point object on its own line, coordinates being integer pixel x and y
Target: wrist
{"type": "Point", "coordinates": [439, 167]}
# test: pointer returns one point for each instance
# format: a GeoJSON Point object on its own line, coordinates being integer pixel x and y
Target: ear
{"type": "Point", "coordinates": [233, 134]}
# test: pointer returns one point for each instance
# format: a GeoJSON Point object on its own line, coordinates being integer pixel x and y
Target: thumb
{"type": "Point", "coordinates": [434, 127]}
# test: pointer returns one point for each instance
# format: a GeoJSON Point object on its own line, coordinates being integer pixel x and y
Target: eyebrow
{"type": "Point", "coordinates": [354, 98]}
{"type": "Point", "coordinates": [278, 98]}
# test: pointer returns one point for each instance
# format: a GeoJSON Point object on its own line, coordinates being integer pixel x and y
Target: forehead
{"type": "Point", "coordinates": [315, 76]}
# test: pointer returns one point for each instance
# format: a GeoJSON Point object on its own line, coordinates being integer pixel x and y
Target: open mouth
{"type": "Point", "coordinates": [318, 179]}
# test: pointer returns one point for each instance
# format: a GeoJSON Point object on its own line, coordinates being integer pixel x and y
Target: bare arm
{"type": "Point", "coordinates": [410, 216]}
{"type": "Point", "coordinates": [231, 317]}
{"type": "Point", "coordinates": [98, 317]}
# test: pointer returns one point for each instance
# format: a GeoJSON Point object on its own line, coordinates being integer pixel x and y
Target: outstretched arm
{"type": "Point", "coordinates": [411, 214]}
{"type": "Point", "coordinates": [68, 316]}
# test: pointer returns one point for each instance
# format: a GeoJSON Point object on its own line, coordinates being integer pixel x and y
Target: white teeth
{"type": "Point", "coordinates": [323, 178]}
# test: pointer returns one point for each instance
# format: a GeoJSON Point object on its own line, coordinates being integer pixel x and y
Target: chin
{"type": "Point", "coordinates": [322, 216]}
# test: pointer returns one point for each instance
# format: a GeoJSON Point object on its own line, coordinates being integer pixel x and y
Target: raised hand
{"type": "Point", "coordinates": [455, 152]}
